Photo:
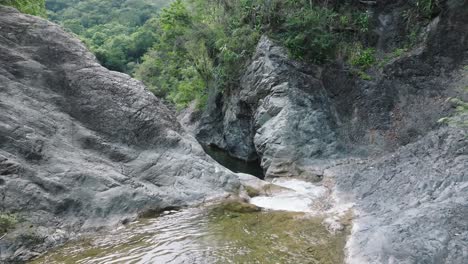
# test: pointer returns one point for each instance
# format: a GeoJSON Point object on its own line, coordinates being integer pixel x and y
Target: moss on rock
{"type": "Point", "coordinates": [236, 206]}
{"type": "Point", "coordinates": [7, 222]}
{"type": "Point", "coordinates": [278, 237]}
{"type": "Point", "coordinates": [251, 191]}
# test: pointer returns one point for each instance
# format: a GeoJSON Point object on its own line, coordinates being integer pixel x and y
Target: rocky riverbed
{"type": "Point", "coordinates": [84, 150]}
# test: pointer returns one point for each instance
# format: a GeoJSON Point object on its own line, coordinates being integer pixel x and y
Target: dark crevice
{"type": "Point", "coordinates": [235, 164]}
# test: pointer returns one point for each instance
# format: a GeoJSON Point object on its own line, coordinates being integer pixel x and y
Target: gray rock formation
{"type": "Point", "coordinates": [292, 118]}
{"type": "Point", "coordinates": [281, 113]}
{"type": "Point", "coordinates": [81, 146]}
{"type": "Point", "coordinates": [411, 205]}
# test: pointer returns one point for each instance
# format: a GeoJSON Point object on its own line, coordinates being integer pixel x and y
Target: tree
{"type": "Point", "coordinates": [118, 32]}
{"type": "Point", "coordinates": [32, 7]}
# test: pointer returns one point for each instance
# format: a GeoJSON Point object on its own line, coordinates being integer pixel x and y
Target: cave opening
{"type": "Point", "coordinates": [251, 167]}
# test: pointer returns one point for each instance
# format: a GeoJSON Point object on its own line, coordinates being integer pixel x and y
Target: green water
{"type": "Point", "coordinates": [216, 234]}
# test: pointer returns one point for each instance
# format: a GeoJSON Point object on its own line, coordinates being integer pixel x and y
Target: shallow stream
{"type": "Point", "coordinates": [227, 232]}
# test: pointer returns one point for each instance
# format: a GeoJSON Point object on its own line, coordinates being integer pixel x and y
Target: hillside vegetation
{"type": "Point", "coordinates": [31, 7]}
{"type": "Point", "coordinates": [202, 45]}
{"type": "Point", "coordinates": [194, 48]}
{"type": "Point", "coordinates": [118, 32]}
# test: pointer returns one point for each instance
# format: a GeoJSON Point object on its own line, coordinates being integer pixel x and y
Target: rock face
{"type": "Point", "coordinates": [412, 205]}
{"type": "Point", "coordinates": [81, 146]}
{"type": "Point", "coordinates": [281, 113]}
{"type": "Point", "coordinates": [379, 139]}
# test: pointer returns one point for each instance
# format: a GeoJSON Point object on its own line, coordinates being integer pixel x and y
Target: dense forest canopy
{"type": "Point", "coordinates": [119, 32]}
{"type": "Point", "coordinates": [31, 7]}
{"type": "Point", "coordinates": [185, 50]}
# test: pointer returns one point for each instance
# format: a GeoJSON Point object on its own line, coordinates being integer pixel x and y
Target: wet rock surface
{"type": "Point", "coordinates": [81, 146]}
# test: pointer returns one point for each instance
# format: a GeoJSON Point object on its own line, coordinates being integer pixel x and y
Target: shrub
{"type": "Point", "coordinates": [364, 76]}
{"type": "Point", "coordinates": [362, 22]}
{"type": "Point", "coordinates": [395, 54]}
{"type": "Point", "coordinates": [307, 34]}
{"type": "Point", "coordinates": [426, 7]}
{"type": "Point", "coordinates": [460, 116]}
{"type": "Point", "coordinates": [7, 222]}
{"type": "Point", "coordinates": [461, 107]}
{"type": "Point", "coordinates": [398, 52]}
{"type": "Point", "coordinates": [363, 58]}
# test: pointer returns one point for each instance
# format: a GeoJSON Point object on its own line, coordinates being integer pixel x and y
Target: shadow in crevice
{"type": "Point", "coordinates": [235, 164]}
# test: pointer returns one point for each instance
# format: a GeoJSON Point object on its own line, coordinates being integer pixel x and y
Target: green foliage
{"type": "Point", "coordinates": [364, 76]}
{"type": "Point", "coordinates": [178, 66]}
{"type": "Point", "coordinates": [392, 55]}
{"type": "Point", "coordinates": [195, 52]}
{"type": "Point", "coordinates": [460, 116]}
{"type": "Point", "coordinates": [362, 57]}
{"type": "Point", "coordinates": [202, 45]}
{"type": "Point", "coordinates": [461, 107]}
{"type": "Point", "coordinates": [398, 52]}
{"type": "Point", "coordinates": [307, 36]}
{"type": "Point", "coordinates": [31, 7]}
{"type": "Point", "coordinates": [312, 30]}
{"type": "Point", "coordinates": [7, 222]}
{"type": "Point", "coordinates": [194, 48]}
{"type": "Point", "coordinates": [443, 120]}
{"type": "Point", "coordinates": [344, 20]}
{"type": "Point", "coordinates": [420, 11]}
{"type": "Point", "coordinates": [362, 22]}
{"type": "Point", "coordinates": [119, 32]}
{"type": "Point", "coordinates": [414, 35]}
{"type": "Point", "coordinates": [426, 7]}
{"type": "Point", "coordinates": [418, 15]}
